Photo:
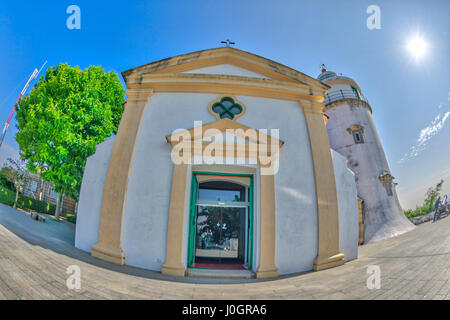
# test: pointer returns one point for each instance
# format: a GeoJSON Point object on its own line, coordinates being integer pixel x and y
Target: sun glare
{"type": "Point", "coordinates": [417, 46]}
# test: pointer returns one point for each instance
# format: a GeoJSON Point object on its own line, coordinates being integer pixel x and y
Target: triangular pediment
{"type": "Point", "coordinates": [241, 63]}
{"type": "Point", "coordinates": [226, 131]}
{"type": "Point", "coordinates": [227, 70]}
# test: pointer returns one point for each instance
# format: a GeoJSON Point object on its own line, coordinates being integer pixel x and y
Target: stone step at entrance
{"type": "Point", "coordinates": [220, 273]}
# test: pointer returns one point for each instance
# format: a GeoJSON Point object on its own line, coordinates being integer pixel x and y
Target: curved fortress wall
{"type": "Point", "coordinates": [352, 133]}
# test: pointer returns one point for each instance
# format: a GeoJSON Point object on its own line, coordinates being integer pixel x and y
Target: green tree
{"type": "Point", "coordinates": [432, 194]}
{"type": "Point", "coordinates": [428, 203]}
{"type": "Point", "coordinates": [62, 120]}
{"type": "Point", "coordinates": [4, 180]}
{"type": "Point", "coordinates": [16, 172]}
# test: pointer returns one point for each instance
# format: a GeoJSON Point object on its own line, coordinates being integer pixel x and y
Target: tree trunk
{"type": "Point", "coordinates": [17, 197]}
{"type": "Point", "coordinates": [58, 205]}
{"type": "Point", "coordinates": [61, 212]}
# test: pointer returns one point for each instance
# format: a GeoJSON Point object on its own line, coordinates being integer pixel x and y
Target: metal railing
{"type": "Point", "coordinates": [343, 94]}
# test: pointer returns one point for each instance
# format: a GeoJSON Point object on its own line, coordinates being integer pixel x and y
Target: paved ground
{"type": "Point", "coordinates": [34, 257]}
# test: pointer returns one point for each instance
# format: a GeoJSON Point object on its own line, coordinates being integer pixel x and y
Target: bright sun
{"type": "Point", "coordinates": [417, 46]}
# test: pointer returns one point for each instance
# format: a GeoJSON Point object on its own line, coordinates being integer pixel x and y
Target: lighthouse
{"type": "Point", "coordinates": [353, 134]}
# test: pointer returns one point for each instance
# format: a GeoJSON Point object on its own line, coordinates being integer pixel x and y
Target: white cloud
{"type": "Point", "coordinates": [425, 135]}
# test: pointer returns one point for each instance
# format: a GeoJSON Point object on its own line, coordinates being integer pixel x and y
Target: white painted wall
{"type": "Point", "coordinates": [91, 193]}
{"type": "Point", "coordinates": [148, 195]}
{"type": "Point", "coordinates": [347, 206]}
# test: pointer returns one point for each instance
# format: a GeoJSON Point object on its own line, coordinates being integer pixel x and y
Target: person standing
{"type": "Point", "coordinates": [445, 204]}
{"type": "Point", "coordinates": [436, 208]}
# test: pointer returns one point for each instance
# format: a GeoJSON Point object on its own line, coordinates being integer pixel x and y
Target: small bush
{"type": "Point", "coordinates": [419, 211]}
{"type": "Point", "coordinates": [8, 196]}
{"type": "Point", "coordinates": [71, 218]}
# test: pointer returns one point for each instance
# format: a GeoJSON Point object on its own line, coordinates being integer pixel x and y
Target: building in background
{"type": "Point", "coordinates": [40, 189]}
{"type": "Point", "coordinates": [352, 133]}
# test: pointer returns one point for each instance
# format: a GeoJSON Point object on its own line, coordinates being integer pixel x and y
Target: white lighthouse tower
{"type": "Point", "coordinates": [352, 133]}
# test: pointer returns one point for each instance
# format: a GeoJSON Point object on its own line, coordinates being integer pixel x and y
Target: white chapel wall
{"type": "Point", "coordinates": [347, 207]}
{"type": "Point", "coordinates": [148, 192]}
{"type": "Point", "coordinates": [91, 193]}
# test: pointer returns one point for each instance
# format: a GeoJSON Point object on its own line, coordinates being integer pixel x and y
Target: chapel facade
{"type": "Point", "coordinates": [221, 162]}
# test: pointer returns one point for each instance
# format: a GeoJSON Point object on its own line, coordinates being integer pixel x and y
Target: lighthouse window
{"type": "Point", "coordinates": [357, 136]}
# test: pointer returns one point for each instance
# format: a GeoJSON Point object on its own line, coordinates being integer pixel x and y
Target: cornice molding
{"type": "Point", "coordinates": [225, 84]}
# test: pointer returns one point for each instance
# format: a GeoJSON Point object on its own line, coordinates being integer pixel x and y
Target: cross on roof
{"type": "Point", "coordinates": [228, 43]}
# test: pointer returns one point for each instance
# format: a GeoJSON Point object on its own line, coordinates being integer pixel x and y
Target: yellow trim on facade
{"type": "Point", "coordinates": [328, 254]}
{"type": "Point", "coordinates": [227, 85]}
{"type": "Point", "coordinates": [109, 245]}
{"type": "Point", "coordinates": [222, 125]}
{"type": "Point", "coordinates": [174, 248]}
{"type": "Point", "coordinates": [355, 127]}
{"type": "Point", "coordinates": [245, 181]}
{"type": "Point", "coordinates": [267, 233]}
{"type": "Point", "coordinates": [360, 222]}
{"type": "Point", "coordinates": [266, 268]}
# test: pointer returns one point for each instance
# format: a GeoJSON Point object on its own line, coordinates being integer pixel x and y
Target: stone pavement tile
{"type": "Point", "coordinates": [445, 289]}
{"type": "Point", "coordinates": [147, 293]}
{"type": "Point", "coordinates": [382, 294]}
{"type": "Point", "coordinates": [424, 286]}
{"type": "Point", "coordinates": [372, 295]}
{"type": "Point", "coordinates": [437, 285]}
{"type": "Point", "coordinates": [19, 285]}
{"type": "Point", "coordinates": [408, 290]}
{"type": "Point", "coordinates": [104, 292]}
{"type": "Point", "coordinates": [405, 288]}
{"type": "Point", "coordinates": [333, 296]}
{"type": "Point", "coordinates": [7, 292]}
{"type": "Point", "coordinates": [91, 296]}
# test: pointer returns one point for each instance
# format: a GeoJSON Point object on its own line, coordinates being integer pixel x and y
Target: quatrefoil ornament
{"type": "Point", "coordinates": [226, 107]}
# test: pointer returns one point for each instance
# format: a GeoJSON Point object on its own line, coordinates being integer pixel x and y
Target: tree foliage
{"type": "Point", "coordinates": [4, 180]}
{"type": "Point", "coordinates": [433, 193]}
{"type": "Point", "coordinates": [16, 172]}
{"type": "Point", "coordinates": [428, 203]}
{"type": "Point", "coordinates": [62, 120]}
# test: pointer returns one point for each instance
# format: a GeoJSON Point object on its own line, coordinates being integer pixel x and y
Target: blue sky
{"type": "Point", "coordinates": [409, 98]}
